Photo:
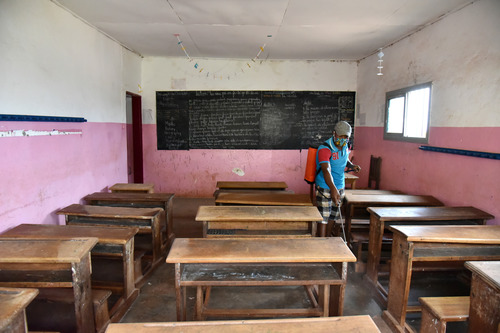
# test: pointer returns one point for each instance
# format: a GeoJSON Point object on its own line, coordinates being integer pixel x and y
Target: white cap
{"type": "Point", "coordinates": [343, 128]}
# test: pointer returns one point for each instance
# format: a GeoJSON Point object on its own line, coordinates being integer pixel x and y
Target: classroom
{"type": "Point", "coordinates": [97, 91]}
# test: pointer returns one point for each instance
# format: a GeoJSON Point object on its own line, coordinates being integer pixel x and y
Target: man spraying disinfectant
{"type": "Point", "coordinates": [331, 159]}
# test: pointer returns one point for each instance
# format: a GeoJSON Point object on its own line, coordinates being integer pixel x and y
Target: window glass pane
{"type": "Point", "coordinates": [417, 113]}
{"type": "Point", "coordinates": [395, 114]}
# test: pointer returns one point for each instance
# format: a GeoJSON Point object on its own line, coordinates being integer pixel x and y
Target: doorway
{"type": "Point", "coordinates": [134, 138]}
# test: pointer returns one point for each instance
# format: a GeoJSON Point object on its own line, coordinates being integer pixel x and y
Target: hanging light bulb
{"type": "Point", "coordinates": [380, 55]}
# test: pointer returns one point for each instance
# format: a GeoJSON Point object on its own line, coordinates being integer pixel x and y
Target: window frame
{"type": "Point", "coordinates": [403, 93]}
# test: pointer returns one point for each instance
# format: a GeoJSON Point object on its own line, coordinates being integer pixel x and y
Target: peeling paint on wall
{"type": "Point", "coordinates": [238, 171]}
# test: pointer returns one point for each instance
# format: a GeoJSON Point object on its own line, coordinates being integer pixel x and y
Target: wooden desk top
{"type": "Point", "coordinates": [489, 271]}
{"type": "Point", "coordinates": [370, 191]}
{"type": "Point", "coordinates": [43, 231]}
{"type": "Point", "coordinates": [13, 301]}
{"type": "Point", "coordinates": [264, 250]}
{"type": "Point", "coordinates": [266, 199]}
{"type": "Point", "coordinates": [132, 187]}
{"type": "Point", "coordinates": [109, 212]}
{"type": "Point", "coordinates": [428, 213]}
{"type": "Point", "coordinates": [341, 324]}
{"type": "Point", "coordinates": [392, 199]}
{"type": "Point", "coordinates": [129, 196]}
{"type": "Point", "coordinates": [350, 176]}
{"type": "Point", "coordinates": [258, 213]}
{"type": "Point", "coordinates": [251, 185]}
{"type": "Point", "coordinates": [464, 234]}
{"type": "Point", "coordinates": [26, 250]}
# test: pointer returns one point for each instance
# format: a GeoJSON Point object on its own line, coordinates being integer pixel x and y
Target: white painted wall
{"type": "Point", "coordinates": [54, 64]}
{"type": "Point", "coordinates": [461, 56]}
{"type": "Point", "coordinates": [162, 74]}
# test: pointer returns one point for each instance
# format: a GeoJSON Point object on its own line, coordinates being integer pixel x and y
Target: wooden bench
{"type": "Point", "coordinates": [251, 185]}
{"type": "Point", "coordinates": [258, 221]}
{"type": "Point", "coordinates": [52, 263]}
{"type": "Point", "coordinates": [43, 317]}
{"type": "Point", "coordinates": [131, 187]}
{"type": "Point", "coordinates": [438, 245]}
{"type": "Point", "coordinates": [141, 200]}
{"type": "Point", "coordinates": [357, 218]}
{"type": "Point", "coordinates": [345, 324]}
{"type": "Point", "coordinates": [381, 218]}
{"type": "Point", "coordinates": [438, 311]}
{"type": "Point", "coordinates": [263, 199]}
{"type": "Point", "coordinates": [112, 257]}
{"type": "Point", "coordinates": [13, 303]}
{"type": "Point", "coordinates": [147, 220]}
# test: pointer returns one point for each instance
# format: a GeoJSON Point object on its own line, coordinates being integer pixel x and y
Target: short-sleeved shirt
{"type": "Point", "coordinates": [338, 161]}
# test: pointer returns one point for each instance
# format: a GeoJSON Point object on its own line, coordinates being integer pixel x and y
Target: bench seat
{"type": "Point", "coordinates": [438, 311]}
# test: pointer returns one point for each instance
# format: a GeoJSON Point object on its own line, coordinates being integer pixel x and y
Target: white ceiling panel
{"type": "Point", "coordinates": [236, 29]}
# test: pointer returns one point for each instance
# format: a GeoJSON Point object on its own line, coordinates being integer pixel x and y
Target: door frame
{"type": "Point", "coordinates": [137, 137]}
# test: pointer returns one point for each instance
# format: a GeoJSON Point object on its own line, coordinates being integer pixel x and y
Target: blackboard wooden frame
{"type": "Point", "coordinates": [249, 119]}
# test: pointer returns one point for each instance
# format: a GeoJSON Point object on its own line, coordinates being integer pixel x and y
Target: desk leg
{"type": "Point", "coordinates": [314, 229]}
{"type": "Point", "coordinates": [399, 282]}
{"type": "Point", "coordinates": [337, 292]}
{"type": "Point", "coordinates": [349, 212]}
{"type": "Point", "coordinates": [84, 310]}
{"type": "Point", "coordinates": [170, 223]}
{"type": "Point", "coordinates": [324, 299]}
{"type": "Point", "coordinates": [374, 248]}
{"type": "Point", "coordinates": [128, 269]}
{"type": "Point", "coordinates": [157, 239]}
{"type": "Point", "coordinates": [179, 297]}
{"type": "Point", "coordinates": [199, 302]}
{"type": "Point", "coordinates": [322, 230]}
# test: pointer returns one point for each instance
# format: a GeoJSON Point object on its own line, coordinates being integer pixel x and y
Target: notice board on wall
{"type": "Point", "coordinates": [249, 119]}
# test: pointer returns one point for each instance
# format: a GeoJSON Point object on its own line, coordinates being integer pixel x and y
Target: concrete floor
{"type": "Point", "coordinates": [156, 302]}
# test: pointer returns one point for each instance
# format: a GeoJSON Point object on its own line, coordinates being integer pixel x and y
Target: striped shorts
{"type": "Point", "coordinates": [325, 205]}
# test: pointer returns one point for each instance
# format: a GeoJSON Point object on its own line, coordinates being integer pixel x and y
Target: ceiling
{"type": "Point", "coordinates": [263, 29]}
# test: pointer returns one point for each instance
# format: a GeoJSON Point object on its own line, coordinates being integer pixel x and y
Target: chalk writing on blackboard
{"type": "Point", "coordinates": [249, 119]}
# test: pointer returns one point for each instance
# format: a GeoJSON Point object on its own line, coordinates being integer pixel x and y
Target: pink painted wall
{"type": "Point", "coordinates": [41, 174]}
{"type": "Point", "coordinates": [196, 172]}
{"type": "Point", "coordinates": [455, 180]}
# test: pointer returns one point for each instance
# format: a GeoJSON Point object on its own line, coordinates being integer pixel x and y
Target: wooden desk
{"type": "Point", "coordinates": [13, 303]}
{"type": "Point", "coordinates": [263, 199]}
{"type": "Point", "coordinates": [484, 314]}
{"type": "Point", "coordinates": [266, 262]}
{"type": "Point", "coordinates": [113, 243]}
{"type": "Point", "coordinates": [258, 221]}
{"type": "Point", "coordinates": [245, 185]}
{"type": "Point", "coordinates": [353, 201]}
{"type": "Point", "coordinates": [147, 220]}
{"type": "Point", "coordinates": [141, 200]}
{"type": "Point", "coordinates": [383, 217]}
{"type": "Point", "coordinates": [346, 324]}
{"type": "Point", "coordinates": [51, 263]}
{"type": "Point", "coordinates": [370, 192]}
{"type": "Point", "coordinates": [218, 192]}
{"type": "Point", "coordinates": [350, 179]}
{"type": "Point", "coordinates": [131, 187]}
{"type": "Point", "coordinates": [412, 244]}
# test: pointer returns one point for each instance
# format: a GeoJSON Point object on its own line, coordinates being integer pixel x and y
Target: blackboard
{"type": "Point", "coordinates": [249, 119]}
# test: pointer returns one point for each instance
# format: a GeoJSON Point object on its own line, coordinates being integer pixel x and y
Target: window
{"type": "Point", "coordinates": [407, 114]}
